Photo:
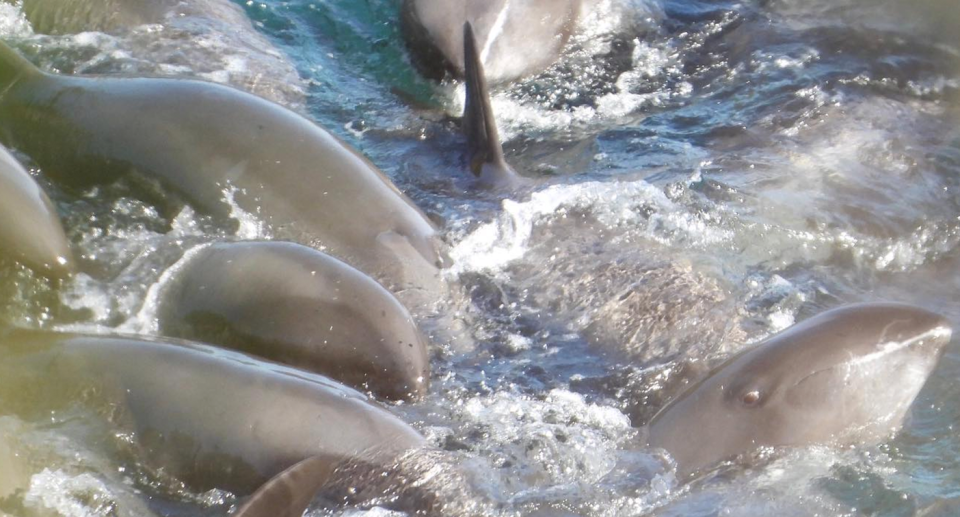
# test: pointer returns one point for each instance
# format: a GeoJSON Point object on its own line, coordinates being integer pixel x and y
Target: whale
{"type": "Point", "coordinates": [207, 38]}
{"type": "Point", "coordinates": [517, 37]}
{"type": "Point", "coordinates": [66, 17]}
{"type": "Point", "coordinates": [297, 306]}
{"type": "Point", "coordinates": [212, 418]}
{"type": "Point", "coordinates": [219, 150]}
{"type": "Point", "coordinates": [31, 232]}
{"type": "Point", "coordinates": [846, 377]}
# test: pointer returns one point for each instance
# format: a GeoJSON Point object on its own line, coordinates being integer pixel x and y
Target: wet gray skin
{"type": "Point", "coordinates": [516, 37]}
{"type": "Point", "coordinates": [30, 229]}
{"type": "Point", "coordinates": [70, 16]}
{"type": "Point", "coordinates": [844, 377]}
{"type": "Point", "coordinates": [297, 306]}
{"type": "Point", "coordinates": [211, 418]}
{"type": "Point", "coordinates": [203, 141]}
{"type": "Point", "coordinates": [479, 125]}
{"type": "Point", "coordinates": [14, 471]}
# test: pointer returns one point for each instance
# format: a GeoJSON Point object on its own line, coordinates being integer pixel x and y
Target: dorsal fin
{"type": "Point", "coordinates": [483, 140]}
{"type": "Point", "coordinates": [290, 492]}
{"type": "Point", "coordinates": [14, 67]}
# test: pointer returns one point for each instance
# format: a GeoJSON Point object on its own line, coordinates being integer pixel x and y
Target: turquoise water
{"type": "Point", "coordinates": [727, 167]}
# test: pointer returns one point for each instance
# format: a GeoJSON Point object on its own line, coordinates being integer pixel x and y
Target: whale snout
{"type": "Point", "coordinates": [910, 328]}
{"type": "Point", "coordinates": [845, 377]}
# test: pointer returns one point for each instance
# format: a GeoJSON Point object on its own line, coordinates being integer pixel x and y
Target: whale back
{"type": "Point", "coordinates": [212, 418]}
{"type": "Point", "coordinates": [219, 149]}
{"type": "Point", "coordinates": [516, 37]}
{"type": "Point", "coordinates": [31, 231]}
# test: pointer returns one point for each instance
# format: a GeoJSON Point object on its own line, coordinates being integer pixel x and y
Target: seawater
{"type": "Point", "coordinates": [706, 173]}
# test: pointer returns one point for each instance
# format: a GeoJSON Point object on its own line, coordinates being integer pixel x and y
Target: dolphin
{"type": "Point", "coordinates": [517, 37]}
{"type": "Point", "coordinates": [30, 232]}
{"type": "Point", "coordinates": [297, 306]}
{"type": "Point", "coordinates": [844, 377]}
{"type": "Point", "coordinates": [214, 145]}
{"type": "Point", "coordinates": [210, 417]}
{"type": "Point", "coordinates": [71, 16]}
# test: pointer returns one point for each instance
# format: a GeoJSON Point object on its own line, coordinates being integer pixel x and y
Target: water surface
{"type": "Point", "coordinates": [706, 173]}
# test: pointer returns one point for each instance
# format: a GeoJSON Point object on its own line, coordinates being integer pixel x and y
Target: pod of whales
{"type": "Point", "coordinates": [295, 305]}
{"type": "Point", "coordinates": [517, 37]}
{"type": "Point", "coordinates": [206, 141]}
{"type": "Point", "coordinates": [209, 417]}
{"type": "Point", "coordinates": [844, 377]}
{"type": "Point", "coordinates": [215, 418]}
{"type": "Point", "coordinates": [31, 232]}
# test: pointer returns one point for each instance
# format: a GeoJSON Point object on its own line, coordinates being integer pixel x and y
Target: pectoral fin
{"type": "Point", "coordinates": [289, 493]}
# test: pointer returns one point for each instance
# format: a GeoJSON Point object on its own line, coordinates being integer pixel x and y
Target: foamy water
{"type": "Point", "coordinates": [705, 174]}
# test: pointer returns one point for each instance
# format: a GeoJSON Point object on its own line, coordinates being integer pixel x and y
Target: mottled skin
{"type": "Point", "coordinates": [295, 305]}
{"type": "Point", "coordinates": [201, 140]}
{"type": "Point", "coordinates": [30, 229]}
{"type": "Point", "coordinates": [212, 418]}
{"type": "Point", "coordinates": [516, 37]}
{"type": "Point", "coordinates": [844, 377]}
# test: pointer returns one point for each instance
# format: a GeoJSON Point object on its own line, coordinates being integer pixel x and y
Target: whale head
{"type": "Point", "coordinates": [844, 377]}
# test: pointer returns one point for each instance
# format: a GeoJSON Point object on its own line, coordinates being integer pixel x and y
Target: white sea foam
{"type": "Point", "coordinates": [145, 320]}
{"type": "Point", "coordinates": [86, 293]}
{"type": "Point", "coordinates": [211, 39]}
{"type": "Point", "coordinates": [599, 23]}
{"type": "Point", "coordinates": [559, 440]}
{"type": "Point", "coordinates": [13, 24]}
{"type": "Point", "coordinates": [251, 227]}
{"type": "Point", "coordinates": [70, 496]}
{"type": "Point", "coordinates": [519, 116]}
{"type": "Point", "coordinates": [635, 206]}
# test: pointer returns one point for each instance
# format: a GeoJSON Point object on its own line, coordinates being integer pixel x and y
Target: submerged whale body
{"type": "Point", "coordinates": [209, 142]}
{"type": "Point", "coordinates": [70, 16]}
{"type": "Point", "coordinates": [211, 418]}
{"type": "Point", "coordinates": [516, 37]}
{"type": "Point", "coordinates": [297, 306]}
{"type": "Point", "coordinates": [210, 38]}
{"type": "Point", "coordinates": [30, 229]}
{"type": "Point", "coordinates": [844, 377]}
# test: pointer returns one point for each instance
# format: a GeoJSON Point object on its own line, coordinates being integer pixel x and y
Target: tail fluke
{"type": "Point", "coordinates": [483, 140]}
{"type": "Point", "coordinates": [290, 492]}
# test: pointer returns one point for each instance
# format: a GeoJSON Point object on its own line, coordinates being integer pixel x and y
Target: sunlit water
{"type": "Point", "coordinates": [705, 173]}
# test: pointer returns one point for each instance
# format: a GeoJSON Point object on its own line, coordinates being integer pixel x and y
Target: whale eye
{"type": "Point", "coordinates": [750, 398]}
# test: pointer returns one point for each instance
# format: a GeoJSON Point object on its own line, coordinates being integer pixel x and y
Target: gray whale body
{"type": "Point", "coordinates": [204, 141]}
{"type": "Point", "coordinates": [212, 418]}
{"type": "Point", "coordinates": [30, 229]}
{"type": "Point", "coordinates": [516, 37]}
{"type": "Point", "coordinates": [844, 377]}
{"type": "Point", "coordinates": [70, 16]}
{"type": "Point", "coordinates": [297, 306]}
